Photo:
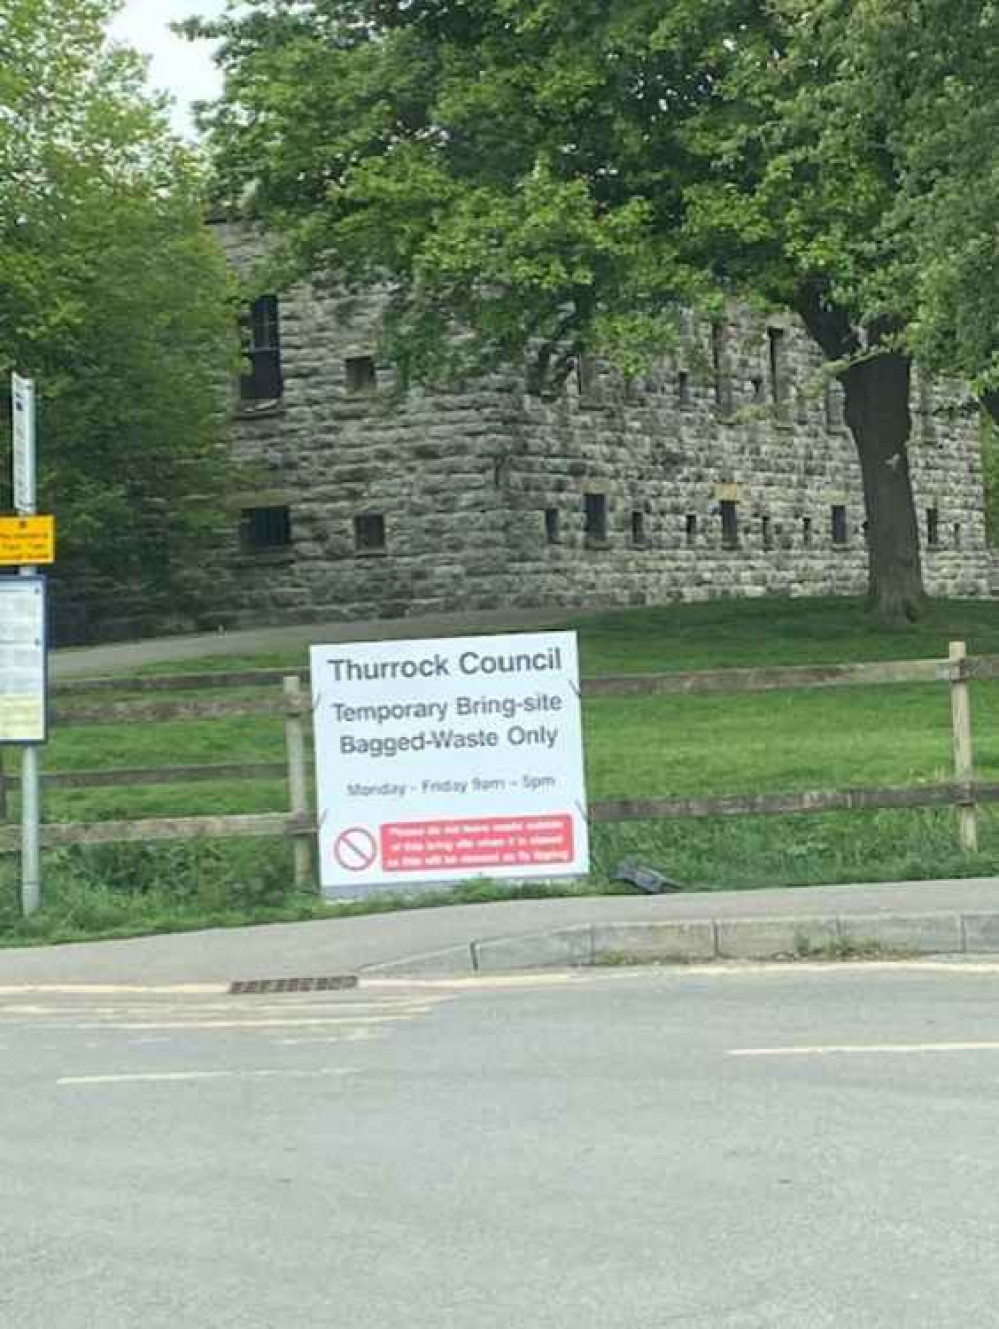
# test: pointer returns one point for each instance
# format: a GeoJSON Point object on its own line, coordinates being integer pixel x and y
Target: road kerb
{"type": "Point", "coordinates": [677, 940]}
{"type": "Point", "coordinates": [700, 940]}
{"type": "Point", "coordinates": [768, 938]}
{"type": "Point", "coordinates": [981, 933]}
{"type": "Point", "coordinates": [561, 949]}
{"type": "Point", "coordinates": [921, 934]}
{"type": "Point", "coordinates": [447, 963]}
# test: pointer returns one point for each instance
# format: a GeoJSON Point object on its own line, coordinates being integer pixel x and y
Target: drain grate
{"type": "Point", "coordinates": [253, 986]}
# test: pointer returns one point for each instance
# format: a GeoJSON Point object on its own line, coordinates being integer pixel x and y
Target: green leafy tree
{"type": "Point", "coordinates": [114, 297]}
{"type": "Point", "coordinates": [929, 71]}
{"type": "Point", "coordinates": [560, 173]}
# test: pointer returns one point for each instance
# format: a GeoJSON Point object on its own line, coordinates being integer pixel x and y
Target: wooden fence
{"type": "Point", "coordinates": [96, 704]}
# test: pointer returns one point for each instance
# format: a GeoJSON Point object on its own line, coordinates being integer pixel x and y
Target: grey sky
{"type": "Point", "coordinates": [183, 69]}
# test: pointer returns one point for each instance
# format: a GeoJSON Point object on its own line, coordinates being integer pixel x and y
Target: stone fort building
{"type": "Point", "coordinates": [726, 473]}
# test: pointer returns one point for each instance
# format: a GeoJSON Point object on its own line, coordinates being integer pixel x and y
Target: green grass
{"type": "Point", "coordinates": [742, 633]}
{"type": "Point", "coordinates": [744, 743]}
{"type": "Point", "coordinates": [720, 634]}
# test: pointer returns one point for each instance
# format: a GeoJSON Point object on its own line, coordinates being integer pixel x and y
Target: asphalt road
{"type": "Point", "coordinates": [743, 1147]}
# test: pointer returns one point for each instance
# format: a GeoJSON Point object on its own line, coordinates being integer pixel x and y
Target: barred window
{"type": "Point", "coordinates": [932, 528]}
{"type": "Point", "coordinates": [361, 375]}
{"type": "Point", "coordinates": [779, 385]}
{"type": "Point", "coordinates": [369, 532]}
{"type": "Point", "coordinates": [730, 524]}
{"type": "Point", "coordinates": [839, 524]}
{"type": "Point", "coordinates": [265, 528]}
{"type": "Point", "coordinates": [595, 512]}
{"type": "Point", "coordinates": [262, 380]}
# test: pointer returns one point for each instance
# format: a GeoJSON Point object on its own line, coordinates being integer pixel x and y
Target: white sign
{"type": "Point", "coordinates": [448, 759]}
{"type": "Point", "coordinates": [23, 398]}
{"type": "Point", "coordinates": [22, 660]}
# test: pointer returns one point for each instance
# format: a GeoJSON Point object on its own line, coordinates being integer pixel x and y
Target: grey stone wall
{"type": "Point", "coordinates": [464, 478]}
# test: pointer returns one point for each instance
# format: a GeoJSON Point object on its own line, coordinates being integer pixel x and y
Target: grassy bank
{"type": "Point", "coordinates": [670, 746]}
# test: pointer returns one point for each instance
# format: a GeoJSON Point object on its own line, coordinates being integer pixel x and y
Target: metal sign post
{"type": "Point", "coordinates": [22, 391]}
{"type": "Point", "coordinates": [25, 499]}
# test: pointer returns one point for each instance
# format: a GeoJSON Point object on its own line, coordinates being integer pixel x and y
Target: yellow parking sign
{"type": "Point", "coordinates": [27, 541]}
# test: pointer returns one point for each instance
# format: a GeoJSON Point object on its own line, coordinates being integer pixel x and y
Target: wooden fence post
{"type": "Point", "coordinates": [960, 711]}
{"type": "Point", "coordinates": [298, 792]}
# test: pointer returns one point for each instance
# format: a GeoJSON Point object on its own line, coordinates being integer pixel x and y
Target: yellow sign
{"type": "Point", "coordinates": [27, 541]}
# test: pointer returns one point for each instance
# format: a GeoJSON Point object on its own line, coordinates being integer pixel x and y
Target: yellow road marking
{"type": "Point", "coordinates": [535, 978]}
{"type": "Point", "coordinates": [172, 1077]}
{"type": "Point", "coordinates": [113, 989]}
{"type": "Point", "coordinates": [351, 1036]}
{"type": "Point", "coordinates": [864, 1049]}
{"type": "Point", "coordinates": [242, 1024]}
{"type": "Point", "coordinates": [415, 1006]}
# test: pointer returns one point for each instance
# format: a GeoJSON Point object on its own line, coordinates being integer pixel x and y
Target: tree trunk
{"type": "Point", "coordinates": [877, 412]}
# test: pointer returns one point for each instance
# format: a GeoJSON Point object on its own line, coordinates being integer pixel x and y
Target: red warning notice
{"type": "Point", "coordinates": [476, 842]}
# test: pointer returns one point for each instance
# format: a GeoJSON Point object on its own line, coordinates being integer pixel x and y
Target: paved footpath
{"type": "Point", "coordinates": [90, 661]}
{"type": "Point", "coordinates": [938, 917]}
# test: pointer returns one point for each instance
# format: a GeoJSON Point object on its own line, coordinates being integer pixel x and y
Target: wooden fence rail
{"type": "Point", "coordinates": [953, 794]}
{"type": "Point", "coordinates": [259, 824]}
{"type": "Point", "coordinates": [160, 712]}
{"type": "Point", "coordinates": [207, 682]}
{"type": "Point", "coordinates": [153, 775]}
{"type": "Point", "coordinates": [765, 680]}
{"type": "Point", "coordinates": [623, 685]}
{"type": "Point", "coordinates": [86, 704]}
{"type": "Point", "coordinates": [83, 709]}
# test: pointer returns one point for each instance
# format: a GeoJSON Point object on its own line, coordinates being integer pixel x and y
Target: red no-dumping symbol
{"type": "Point", "coordinates": [355, 849]}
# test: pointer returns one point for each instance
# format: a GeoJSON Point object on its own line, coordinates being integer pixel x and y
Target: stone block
{"type": "Point", "coordinates": [666, 941]}
{"type": "Point", "coordinates": [922, 934]}
{"type": "Point", "coordinates": [565, 949]}
{"type": "Point", "coordinates": [770, 938]}
{"type": "Point", "coordinates": [455, 961]}
{"type": "Point", "coordinates": [981, 932]}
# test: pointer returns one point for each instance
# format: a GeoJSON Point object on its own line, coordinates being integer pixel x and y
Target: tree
{"type": "Point", "coordinates": [930, 70]}
{"type": "Point", "coordinates": [112, 295]}
{"type": "Point", "coordinates": [563, 172]}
